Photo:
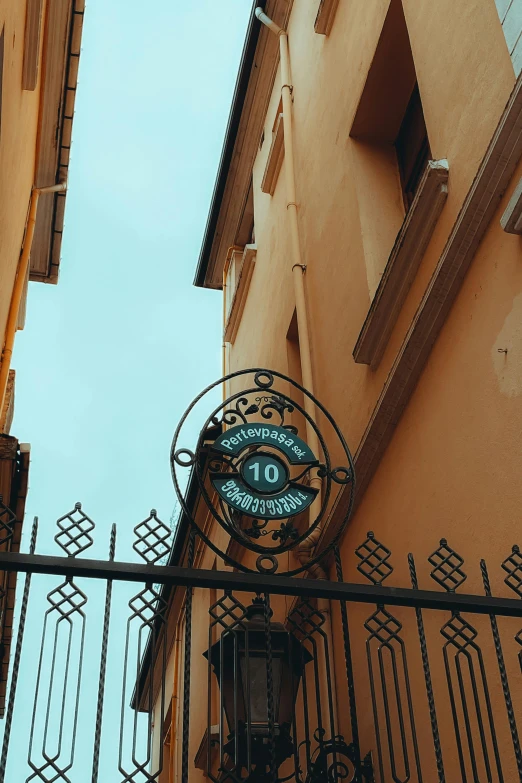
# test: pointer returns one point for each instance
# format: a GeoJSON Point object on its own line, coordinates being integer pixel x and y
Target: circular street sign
{"type": "Point", "coordinates": [250, 463]}
{"type": "Point", "coordinates": [264, 473]}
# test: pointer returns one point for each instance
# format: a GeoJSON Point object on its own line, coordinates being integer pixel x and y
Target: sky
{"type": "Point", "coordinates": [112, 355]}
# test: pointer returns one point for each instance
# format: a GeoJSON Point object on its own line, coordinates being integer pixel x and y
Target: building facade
{"type": "Point", "coordinates": [39, 55]}
{"type": "Point", "coordinates": [365, 232]}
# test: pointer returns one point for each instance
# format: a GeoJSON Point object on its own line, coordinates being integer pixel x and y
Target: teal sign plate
{"type": "Point", "coordinates": [237, 438]}
{"type": "Point", "coordinates": [289, 502]}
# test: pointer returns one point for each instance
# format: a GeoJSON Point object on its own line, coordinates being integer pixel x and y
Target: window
{"type": "Point", "coordinates": [511, 21]}
{"type": "Point", "coordinates": [400, 190]}
{"type": "Point", "coordinates": [234, 264]}
{"type": "Point", "coordinates": [237, 282]}
{"type": "Point", "coordinates": [390, 142]}
{"type": "Point", "coordinates": [276, 154]}
{"type": "Point", "coordinates": [325, 16]}
{"type": "Point", "coordinates": [412, 148]}
{"type": "Point", "coordinates": [231, 278]}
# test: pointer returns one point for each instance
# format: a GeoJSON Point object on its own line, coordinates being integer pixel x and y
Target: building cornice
{"type": "Point", "coordinates": [252, 93]}
{"type": "Point", "coordinates": [60, 62]}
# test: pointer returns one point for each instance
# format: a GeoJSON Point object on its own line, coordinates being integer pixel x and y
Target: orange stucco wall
{"type": "Point", "coordinates": [19, 125]}
{"type": "Point", "coordinates": [327, 87]}
{"type": "Point", "coordinates": [454, 465]}
{"type": "Point", "coordinates": [461, 419]}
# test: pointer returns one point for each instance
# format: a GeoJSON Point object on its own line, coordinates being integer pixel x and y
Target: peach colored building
{"type": "Point", "coordinates": [365, 230]}
{"type": "Point", "coordinates": [39, 56]}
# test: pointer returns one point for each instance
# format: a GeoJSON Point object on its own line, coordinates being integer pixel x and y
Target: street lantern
{"type": "Point", "coordinates": [239, 660]}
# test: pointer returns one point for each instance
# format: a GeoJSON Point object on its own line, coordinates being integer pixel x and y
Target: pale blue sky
{"type": "Point", "coordinates": [110, 357]}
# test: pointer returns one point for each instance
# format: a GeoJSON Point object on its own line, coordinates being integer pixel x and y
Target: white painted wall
{"type": "Point", "coordinates": [510, 13]}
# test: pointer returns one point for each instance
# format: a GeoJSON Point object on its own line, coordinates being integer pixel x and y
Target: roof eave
{"type": "Point", "coordinates": [236, 111]}
{"type": "Point", "coordinates": [59, 78]}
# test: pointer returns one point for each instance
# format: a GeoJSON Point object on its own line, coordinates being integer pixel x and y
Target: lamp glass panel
{"type": "Point", "coordinates": [258, 686]}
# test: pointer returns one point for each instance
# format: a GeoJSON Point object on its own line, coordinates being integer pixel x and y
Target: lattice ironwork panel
{"type": "Point", "coordinates": [7, 522]}
{"type": "Point", "coordinates": [152, 537]}
{"type": "Point", "coordinates": [383, 626]}
{"type": "Point", "coordinates": [459, 632]}
{"type": "Point", "coordinates": [513, 567]}
{"type": "Point", "coordinates": [227, 611]}
{"type": "Point", "coordinates": [447, 567]}
{"type": "Point", "coordinates": [306, 620]}
{"type": "Point", "coordinates": [53, 727]}
{"type": "Point", "coordinates": [374, 558]}
{"type": "Point", "coordinates": [148, 606]}
{"type": "Point", "coordinates": [75, 531]}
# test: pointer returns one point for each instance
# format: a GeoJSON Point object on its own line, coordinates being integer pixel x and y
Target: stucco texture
{"type": "Point", "coordinates": [454, 465]}
{"type": "Point", "coordinates": [18, 135]}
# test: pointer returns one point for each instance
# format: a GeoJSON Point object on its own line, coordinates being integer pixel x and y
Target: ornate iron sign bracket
{"type": "Point", "coordinates": [263, 471]}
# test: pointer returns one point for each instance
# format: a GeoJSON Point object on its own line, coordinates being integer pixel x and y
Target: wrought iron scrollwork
{"type": "Point", "coordinates": [270, 706]}
{"type": "Point", "coordinates": [186, 675]}
{"type": "Point", "coordinates": [427, 677]}
{"type": "Point", "coordinates": [152, 538]}
{"type": "Point", "coordinates": [286, 532]}
{"type": "Point", "coordinates": [390, 689]}
{"type": "Point", "coordinates": [270, 404]}
{"type": "Point", "coordinates": [307, 749]}
{"type": "Point", "coordinates": [262, 522]}
{"type": "Point", "coordinates": [7, 522]}
{"type": "Point", "coordinates": [226, 614]}
{"type": "Point", "coordinates": [146, 621]}
{"type": "Point", "coordinates": [264, 379]}
{"type": "Point", "coordinates": [17, 656]}
{"type": "Point", "coordinates": [53, 732]}
{"type": "Point", "coordinates": [319, 742]}
{"type": "Point", "coordinates": [333, 760]}
{"type": "Point", "coordinates": [75, 531]}
{"type": "Point", "coordinates": [512, 565]}
{"type": "Point", "coordinates": [234, 415]}
{"type": "Point", "coordinates": [360, 772]}
{"type": "Point", "coordinates": [54, 725]}
{"type": "Point", "coordinates": [503, 673]}
{"type": "Point", "coordinates": [339, 475]}
{"type": "Point", "coordinates": [447, 567]}
{"type": "Point", "coordinates": [374, 558]}
{"type": "Point", "coordinates": [327, 756]}
{"type": "Point", "coordinates": [466, 678]}
{"type": "Point", "coordinates": [57, 737]}
{"type": "Point", "coordinates": [185, 458]}
{"type": "Point", "coordinates": [257, 529]}
{"type": "Point", "coordinates": [103, 663]}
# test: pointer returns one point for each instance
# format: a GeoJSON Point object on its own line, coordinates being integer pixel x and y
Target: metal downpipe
{"type": "Point", "coordinates": [307, 547]}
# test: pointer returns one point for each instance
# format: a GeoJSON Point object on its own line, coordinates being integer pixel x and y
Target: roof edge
{"type": "Point", "coordinates": [55, 122]}
{"type": "Point", "coordinates": [240, 91]}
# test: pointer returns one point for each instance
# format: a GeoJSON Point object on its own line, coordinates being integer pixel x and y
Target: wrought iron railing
{"type": "Point", "coordinates": [314, 680]}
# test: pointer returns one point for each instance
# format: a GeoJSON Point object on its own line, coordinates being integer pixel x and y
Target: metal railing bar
{"type": "Point", "coordinates": [252, 582]}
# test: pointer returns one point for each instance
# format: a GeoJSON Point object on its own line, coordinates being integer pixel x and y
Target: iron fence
{"type": "Point", "coordinates": [425, 686]}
